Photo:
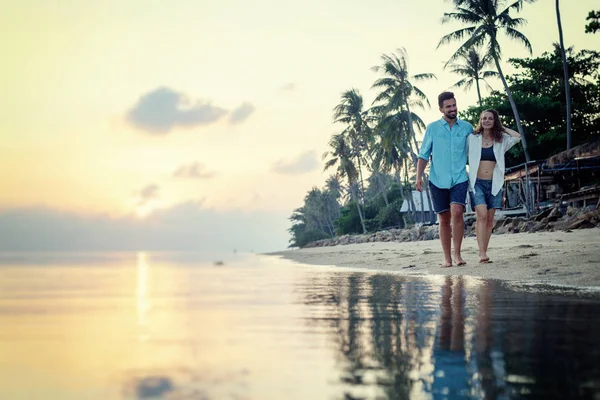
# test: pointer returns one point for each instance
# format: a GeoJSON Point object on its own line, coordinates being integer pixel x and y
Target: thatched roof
{"type": "Point", "coordinates": [586, 150]}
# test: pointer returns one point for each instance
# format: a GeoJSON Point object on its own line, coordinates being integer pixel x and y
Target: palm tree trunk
{"type": "Point", "coordinates": [382, 188]}
{"type": "Point", "coordinates": [402, 197]}
{"type": "Point", "coordinates": [411, 201]}
{"type": "Point", "coordinates": [478, 90]}
{"type": "Point", "coordinates": [362, 185]}
{"type": "Point", "coordinates": [410, 125]}
{"type": "Point", "coordinates": [355, 198]}
{"type": "Point", "coordinates": [428, 191]}
{"type": "Point", "coordinates": [513, 105]}
{"type": "Point", "coordinates": [566, 74]}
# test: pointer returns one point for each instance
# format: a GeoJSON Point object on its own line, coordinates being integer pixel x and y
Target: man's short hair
{"type": "Point", "coordinates": [444, 96]}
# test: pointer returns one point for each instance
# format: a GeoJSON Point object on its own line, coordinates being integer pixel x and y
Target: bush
{"type": "Point", "coordinates": [390, 216]}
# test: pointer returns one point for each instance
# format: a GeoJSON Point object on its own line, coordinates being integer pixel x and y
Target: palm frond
{"type": "Point", "coordinates": [490, 74]}
{"type": "Point", "coordinates": [463, 83]}
{"type": "Point", "coordinates": [424, 76]}
{"type": "Point", "coordinates": [518, 36]}
{"type": "Point", "coordinates": [456, 35]}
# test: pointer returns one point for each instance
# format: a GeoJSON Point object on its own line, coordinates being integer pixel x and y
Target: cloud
{"type": "Point", "coordinates": [305, 162]}
{"type": "Point", "coordinates": [186, 226]}
{"type": "Point", "coordinates": [241, 113]}
{"type": "Point", "coordinates": [147, 194]}
{"type": "Point", "coordinates": [163, 109]}
{"type": "Point", "coordinates": [194, 170]}
{"type": "Point", "coordinates": [288, 87]}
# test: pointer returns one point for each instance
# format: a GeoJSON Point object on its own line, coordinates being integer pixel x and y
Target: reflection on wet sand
{"type": "Point", "coordinates": [458, 337]}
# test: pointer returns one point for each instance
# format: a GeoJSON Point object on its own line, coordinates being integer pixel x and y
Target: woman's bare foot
{"type": "Point", "coordinates": [446, 264]}
{"type": "Point", "coordinates": [458, 259]}
{"type": "Point", "coordinates": [483, 258]}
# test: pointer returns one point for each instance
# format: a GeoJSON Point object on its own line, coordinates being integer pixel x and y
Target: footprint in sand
{"type": "Point", "coordinates": [427, 251]}
{"type": "Point", "coordinates": [529, 255]}
{"type": "Point", "coordinates": [544, 272]}
{"type": "Point", "coordinates": [523, 246]}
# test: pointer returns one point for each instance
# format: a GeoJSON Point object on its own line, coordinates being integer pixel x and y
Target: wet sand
{"type": "Point", "coordinates": [564, 258]}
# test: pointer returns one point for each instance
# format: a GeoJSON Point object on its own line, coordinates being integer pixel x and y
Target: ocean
{"type": "Point", "coordinates": [142, 325]}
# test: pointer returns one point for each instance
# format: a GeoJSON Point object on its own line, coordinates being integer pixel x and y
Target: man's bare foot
{"type": "Point", "coordinates": [446, 264]}
{"type": "Point", "coordinates": [458, 260]}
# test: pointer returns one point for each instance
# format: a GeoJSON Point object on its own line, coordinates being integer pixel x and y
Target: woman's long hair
{"type": "Point", "coordinates": [497, 129]}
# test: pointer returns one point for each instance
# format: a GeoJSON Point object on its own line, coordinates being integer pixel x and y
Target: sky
{"type": "Point", "coordinates": [148, 125]}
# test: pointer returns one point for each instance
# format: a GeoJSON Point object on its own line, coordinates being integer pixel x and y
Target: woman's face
{"type": "Point", "coordinates": [487, 120]}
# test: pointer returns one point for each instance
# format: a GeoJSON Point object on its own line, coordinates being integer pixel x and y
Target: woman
{"type": "Point", "coordinates": [486, 148]}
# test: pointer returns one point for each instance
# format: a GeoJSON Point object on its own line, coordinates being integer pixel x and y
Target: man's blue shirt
{"type": "Point", "coordinates": [447, 148]}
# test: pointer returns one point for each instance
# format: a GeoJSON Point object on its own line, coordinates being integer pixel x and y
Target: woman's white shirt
{"type": "Point", "coordinates": [474, 154]}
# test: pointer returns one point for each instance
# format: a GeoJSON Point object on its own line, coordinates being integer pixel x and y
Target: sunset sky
{"type": "Point", "coordinates": [198, 124]}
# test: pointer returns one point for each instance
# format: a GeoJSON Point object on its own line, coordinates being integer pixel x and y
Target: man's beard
{"type": "Point", "coordinates": [451, 116]}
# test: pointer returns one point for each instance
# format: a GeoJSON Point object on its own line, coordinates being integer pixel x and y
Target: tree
{"type": "Point", "coordinates": [537, 84]}
{"type": "Point", "coordinates": [563, 55]}
{"type": "Point", "coordinates": [397, 89]}
{"type": "Point", "coordinates": [472, 69]}
{"type": "Point", "coordinates": [594, 25]}
{"type": "Point", "coordinates": [486, 20]}
{"type": "Point", "coordinates": [350, 112]}
{"type": "Point", "coordinates": [315, 219]}
{"type": "Point", "coordinates": [342, 155]}
{"type": "Point", "coordinates": [398, 94]}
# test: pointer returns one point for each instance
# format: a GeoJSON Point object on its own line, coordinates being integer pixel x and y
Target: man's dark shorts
{"type": "Point", "coordinates": [442, 198]}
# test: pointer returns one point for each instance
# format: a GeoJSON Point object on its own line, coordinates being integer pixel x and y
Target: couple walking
{"type": "Point", "coordinates": [448, 141]}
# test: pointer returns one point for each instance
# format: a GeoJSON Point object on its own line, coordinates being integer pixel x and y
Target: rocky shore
{"type": "Point", "coordinates": [549, 220]}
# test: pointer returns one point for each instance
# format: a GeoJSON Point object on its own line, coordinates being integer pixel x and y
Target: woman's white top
{"type": "Point", "coordinates": [474, 152]}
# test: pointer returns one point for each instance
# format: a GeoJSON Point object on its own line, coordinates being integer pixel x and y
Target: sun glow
{"type": "Point", "coordinates": [142, 296]}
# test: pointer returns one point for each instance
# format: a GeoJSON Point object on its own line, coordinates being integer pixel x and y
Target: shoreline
{"type": "Point", "coordinates": [565, 258]}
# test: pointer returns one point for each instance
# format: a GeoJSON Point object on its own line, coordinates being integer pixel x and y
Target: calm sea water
{"type": "Point", "coordinates": [176, 326]}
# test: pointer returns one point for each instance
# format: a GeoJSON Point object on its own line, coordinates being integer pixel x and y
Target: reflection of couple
{"type": "Point", "coordinates": [448, 141]}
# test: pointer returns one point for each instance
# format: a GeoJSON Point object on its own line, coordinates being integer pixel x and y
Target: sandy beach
{"type": "Point", "coordinates": [564, 258]}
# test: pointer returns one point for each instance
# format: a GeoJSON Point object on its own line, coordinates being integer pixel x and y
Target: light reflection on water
{"type": "Point", "coordinates": [175, 326]}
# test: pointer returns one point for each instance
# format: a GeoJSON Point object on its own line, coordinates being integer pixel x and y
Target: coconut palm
{"type": "Point", "coordinates": [472, 67]}
{"type": "Point", "coordinates": [350, 112]}
{"type": "Point", "coordinates": [563, 56]}
{"type": "Point", "coordinates": [398, 92]}
{"type": "Point", "coordinates": [342, 155]}
{"type": "Point", "coordinates": [486, 19]}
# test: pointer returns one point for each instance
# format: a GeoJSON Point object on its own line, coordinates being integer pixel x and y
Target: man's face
{"type": "Point", "coordinates": [449, 109]}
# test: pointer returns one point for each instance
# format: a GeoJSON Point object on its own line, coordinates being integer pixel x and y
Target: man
{"type": "Point", "coordinates": [445, 141]}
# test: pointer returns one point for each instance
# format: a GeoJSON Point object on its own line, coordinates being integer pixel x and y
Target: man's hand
{"type": "Point", "coordinates": [420, 185]}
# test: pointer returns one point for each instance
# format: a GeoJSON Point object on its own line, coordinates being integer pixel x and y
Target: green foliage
{"type": "Point", "coordinates": [314, 220]}
{"type": "Point", "coordinates": [348, 221]}
{"type": "Point", "coordinates": [594, 25]}
{"type": "Point", "coordinates": [539, 94]}
{"type": "Point", "coordinates": [301, 236]}
{"type": "Point", "coordinates": [390, 216]}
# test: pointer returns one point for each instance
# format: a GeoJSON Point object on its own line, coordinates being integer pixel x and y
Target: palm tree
{"type": "Point", "coordinates": [486, 20]}
{"type": "Point", "coordinates": [563, 55]}
{"type": "Point", "coordinates": [393, 148]}
{"type": "Point", "coordinates": [397, 95]}
{"type": "Point", "coordinates": [397, 89]}
{"type": "Point", "coordinates": [350, 112]}
{"type": "Point", "coordinates": [472, 69]}
{"type": "Point", "coordinates": [342, 155]}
